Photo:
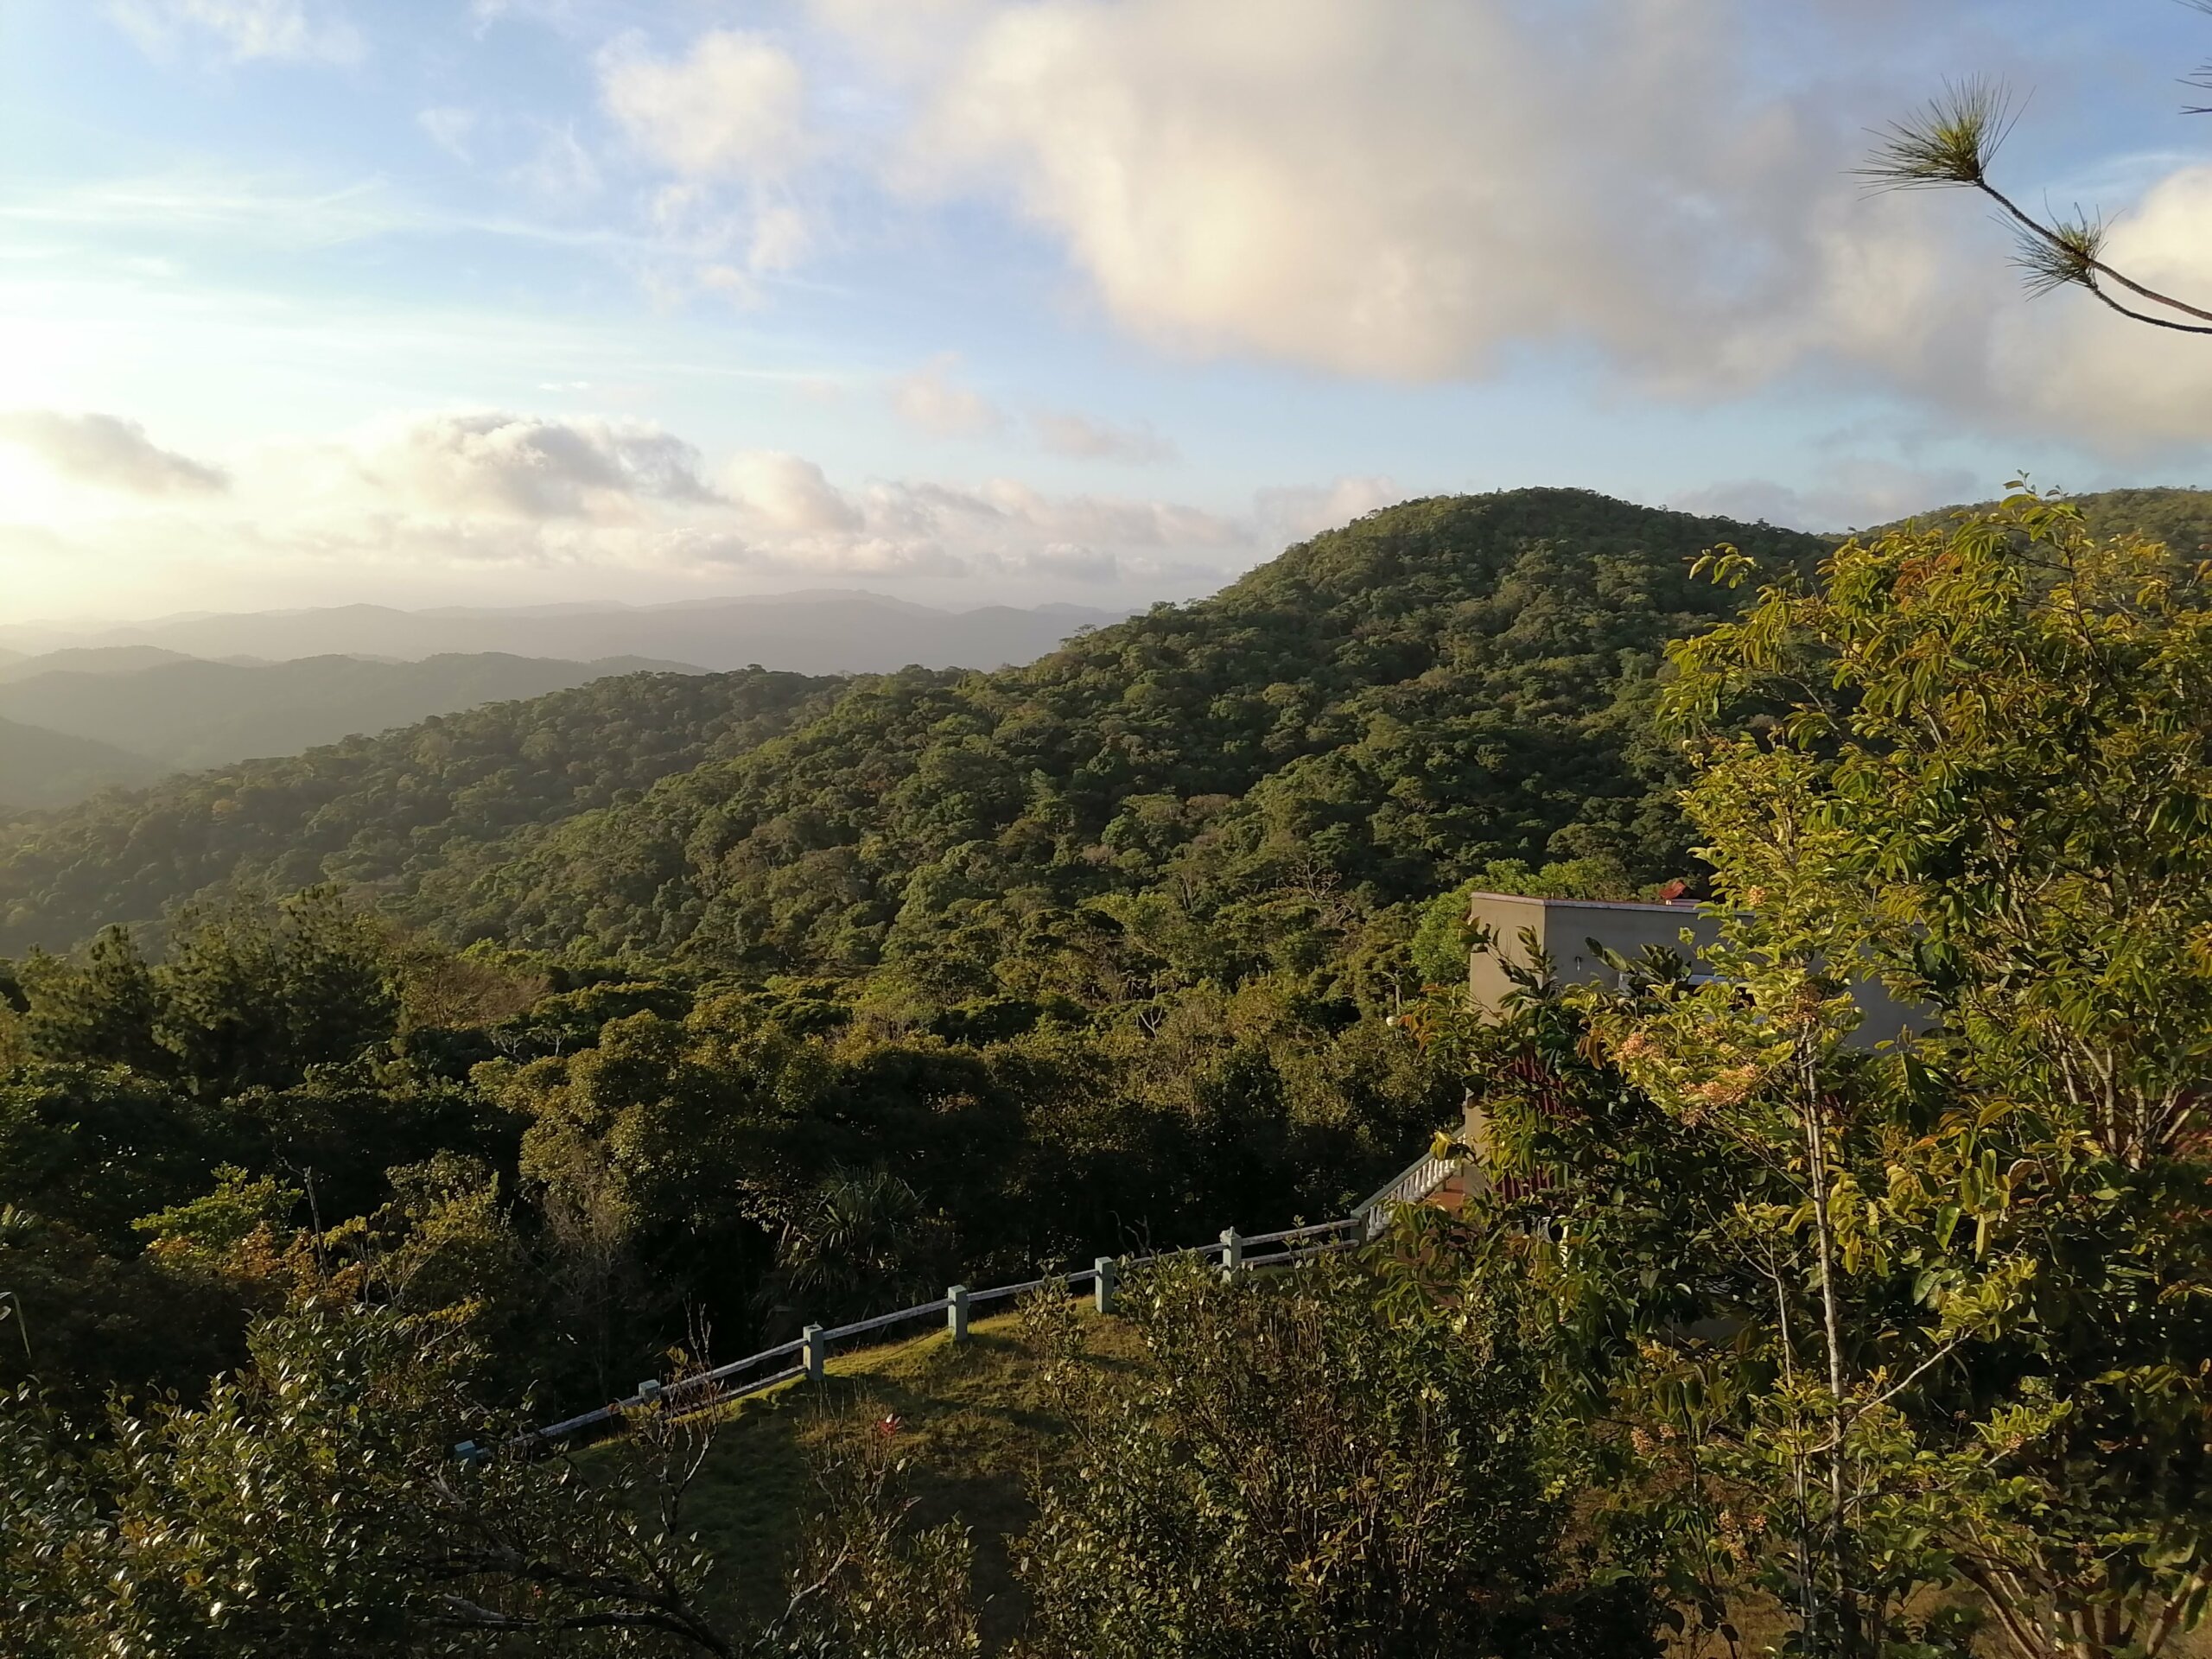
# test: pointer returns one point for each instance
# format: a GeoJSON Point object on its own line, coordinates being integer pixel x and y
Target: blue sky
{"type": "Point", "coordinates": [318, 300]}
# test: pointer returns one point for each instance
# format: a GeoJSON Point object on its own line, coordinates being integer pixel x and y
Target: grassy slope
{"type": "Point", "coordinates": [975, 1420]}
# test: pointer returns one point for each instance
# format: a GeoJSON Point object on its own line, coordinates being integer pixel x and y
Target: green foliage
{"type": "Point", "coordinates": [246, 998]}
{"type": "Point", "coordinates": [1309, 1467]}
{"type": "Point", "coordinates": [2001, 808]}
{"type": "Point", "coordinates": [934, 976]}
{"type": "Point", "coordinates": [2015, 749]}
{"type": "Point", "coordinates": [102, 1010]}
{"type": "Point", "coordinates": [96, 1145]}
{"type": "Point", "coordinates": [1901, 1319]}
{"type": "Point", "coordinates": [863, 1582]}
{"type": "Point", "coordinates": [857, 1244]}
{"type": "Point", "coordinates": [253, 999]}
{"type": "Point", "coordinates": [313, 1505]}
{"type": "Point", "coordinates": [1373, 716]}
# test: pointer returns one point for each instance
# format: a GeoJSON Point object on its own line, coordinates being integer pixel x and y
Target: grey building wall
{"type": "Point", "coordinates": [1563, 930]}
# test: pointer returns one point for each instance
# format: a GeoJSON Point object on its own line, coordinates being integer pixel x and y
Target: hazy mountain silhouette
{"type": "Point", "coordinates": [817, 632]}
{"type": "Point", "coordinates": [89, 659]}
{"type": "Point", "coordinates": [188, 713]}
{"type": "Point", "coordinates": [41, 769]}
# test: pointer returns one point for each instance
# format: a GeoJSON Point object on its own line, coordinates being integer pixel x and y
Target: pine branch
{"type": "Point", "coordinates": [1951, 145]}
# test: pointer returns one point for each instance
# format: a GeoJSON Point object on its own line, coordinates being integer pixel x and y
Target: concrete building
{"type": "Point", "coordinates": [1567, 931]}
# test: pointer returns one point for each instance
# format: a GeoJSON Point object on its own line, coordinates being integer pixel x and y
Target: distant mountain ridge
{"type": "Point", "coordinates": [375, 812]}
{"type": "Point", "coordinates": [188, 713]}
{"type": "Point", "coordinates": [825, 632]}
{"type": "Point", "coordinates": [2180, 518]}
{"type": "Point", "coordinates": [90, 659]}
{"type": "Point", "coordinates": [41, 769]}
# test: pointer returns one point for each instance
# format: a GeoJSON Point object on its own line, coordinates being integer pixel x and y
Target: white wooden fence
{"type": "Point", "coordinates": [808, 1354]}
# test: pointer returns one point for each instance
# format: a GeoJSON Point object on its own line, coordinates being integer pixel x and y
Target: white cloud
{"type": "Point", "coordinates": [1075, 563]}
{"type": "Point", "coordinates": [1081, 438]}
{"type": "Point", "coordinates": [790, 494]}
{"type": "Point", "coordinates": [425, 498]}
{"type": "Point", "coordinates": [558, 168]}
{"type": "Point", "coordinates": [568, 17]}
{"type": "Point", "coordinates": [1389, 189]}
{"type": "Point", "coordinates": [728, 119]}
{"type": "Point", "coordinates": [2076, 365]}
{"type": "Point", "coordinates": [243, 30]}
{"type": "Point", "coordinates": [1292, 514]}
{"type": "Point", "coordinates": [528, 467]}
{"type": "Point", "coordinates": [935, 405]}
{"type": "Point", "coordinates": [780, 239]}
{"type": "Point", "coordinates": [1849, 495]}
{"type": "Point", "coordinates": [111, 453]}
{"type": "Point", "coordinates": [733, 108]}
{"type": "Point", "coordinates": [489, 488]}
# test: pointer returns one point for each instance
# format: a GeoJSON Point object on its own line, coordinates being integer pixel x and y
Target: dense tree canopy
{"type": "Point", "coordinates": [1353, 725]}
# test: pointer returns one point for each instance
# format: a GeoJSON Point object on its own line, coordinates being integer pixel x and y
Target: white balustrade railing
{"type": "Point", "coordinates": [1416, 1183]}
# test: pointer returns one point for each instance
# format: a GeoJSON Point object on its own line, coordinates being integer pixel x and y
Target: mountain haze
{"type": "Point", "coordinates": [89, 659]}
{"type": "Point", "coordinates": [820, 633]}
{"type": "Point", "coordinates": [41, 769]}
{"type": "Point", "coordinates": [188, 713]}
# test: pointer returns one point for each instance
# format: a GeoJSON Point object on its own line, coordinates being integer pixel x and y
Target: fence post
{"type": "Point", "coordinates": [817, 1351]}
{"type": "Point", "coordinates": [955, 1311]}
{"type": "Point", "coordinates": [1232, 1252]}
{"type": "Point", "coordinates": [1101, 1288]}
{"type": "Point", "coordinates": [649, 1391]}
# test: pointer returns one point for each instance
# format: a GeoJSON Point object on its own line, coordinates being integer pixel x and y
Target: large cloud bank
{"type": "Point", "coordinates": [1417, 190]}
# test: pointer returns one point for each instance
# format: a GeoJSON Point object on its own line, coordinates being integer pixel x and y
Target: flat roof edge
{"type": "Point", "coordinates": [1685, 908]}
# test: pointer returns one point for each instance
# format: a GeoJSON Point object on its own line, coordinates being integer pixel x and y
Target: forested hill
{"type": "Point", "coordinates": [377, 811]}
{"type": "Point", "coordinates": [2181, 519]}
{"type": "Point", "coordinates": [1253, 782]}
{"type": "Point", "coordinates": [1375, 711]}
{"type": "Point", "coordinates": [1263, 780]}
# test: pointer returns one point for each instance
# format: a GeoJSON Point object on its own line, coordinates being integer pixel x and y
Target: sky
{"type": "Point", "coordinates": [519, 302]}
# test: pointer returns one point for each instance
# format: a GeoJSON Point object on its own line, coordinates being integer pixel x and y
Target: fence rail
{"type": "Point", "coordinates": [1234, 1252]}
